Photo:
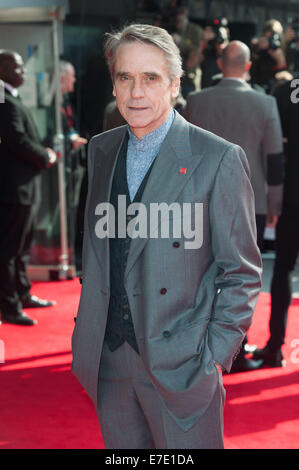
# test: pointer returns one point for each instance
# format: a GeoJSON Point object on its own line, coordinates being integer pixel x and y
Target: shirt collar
{"type": "Point", "coordinates": [154, 138]}
{"type": "Point", "coordinates": [11, 89]}
{"type": "Point", "coordinates": [234, 78]}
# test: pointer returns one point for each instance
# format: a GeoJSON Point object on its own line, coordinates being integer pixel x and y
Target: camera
{"type": "Point", "coordinates": [274, 42]}
{"type": "Point", "coordinates": [220, 29]}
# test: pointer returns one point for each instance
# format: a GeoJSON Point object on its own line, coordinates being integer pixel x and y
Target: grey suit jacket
{"type": "Point", "coordinates": [236, 112]}
{"type": "Point", "coordinates": [211, 291]}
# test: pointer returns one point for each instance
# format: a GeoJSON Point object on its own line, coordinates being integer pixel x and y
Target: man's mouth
{"type": "Point", "coordinates": [134, 108]}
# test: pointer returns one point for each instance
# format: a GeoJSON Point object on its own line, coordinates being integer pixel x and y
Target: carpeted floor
{"type": "Point", "coordinates": [44, 407]}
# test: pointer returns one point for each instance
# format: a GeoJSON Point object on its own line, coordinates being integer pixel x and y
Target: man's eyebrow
{"type": "Point", "coordinates": [152, 74]}
{"type": "Point", "coordinates": [122, 73]}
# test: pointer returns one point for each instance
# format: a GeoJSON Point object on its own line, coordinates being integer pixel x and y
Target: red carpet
{"type": "Point", "coordinates": [44, 407]}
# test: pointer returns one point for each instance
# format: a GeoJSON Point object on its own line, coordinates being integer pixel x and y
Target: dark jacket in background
{"type": "Point", "coordinates": [22, 157]}
{"type": "Point", "coordinates": [289, 115]}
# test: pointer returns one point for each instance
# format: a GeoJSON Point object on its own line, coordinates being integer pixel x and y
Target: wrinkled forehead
{"type": "Point", "coordinates": [137, 56]}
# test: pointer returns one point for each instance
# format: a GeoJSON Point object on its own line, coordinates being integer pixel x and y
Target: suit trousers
{"type": "Point", "coordinates": [260, 220]}
{"type": "Point", "coordinates": [17, 223]}
{"type": "Point", "coordinates": [132, 415]}
{"type": "Point", "coordinates": [286, 249]}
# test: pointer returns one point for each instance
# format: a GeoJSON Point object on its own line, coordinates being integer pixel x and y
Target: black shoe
{"type": "Point", "coordinates": [270, 358]}
{"type": "Point", "coordinates": [31, 301]}
{"type": "Point", "coordinates": [17, 319]}
{"type": "Point", "coordinates": [242, 364]}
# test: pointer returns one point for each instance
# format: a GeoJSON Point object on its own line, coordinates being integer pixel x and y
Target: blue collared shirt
{"type": "Point", "coordinates": [141, 154]}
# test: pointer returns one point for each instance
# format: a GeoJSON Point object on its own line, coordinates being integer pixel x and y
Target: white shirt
{"type": "Point", "coordinates": [11, 89]}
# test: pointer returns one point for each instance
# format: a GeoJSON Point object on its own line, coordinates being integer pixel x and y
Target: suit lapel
{"type": "Point", "coordinates": [105, 158]}
{"type": "Point", "coordinates": [167, 177]}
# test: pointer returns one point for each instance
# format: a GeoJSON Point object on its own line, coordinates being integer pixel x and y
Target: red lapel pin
{"type": "Point", "coordinates": [183, 171]}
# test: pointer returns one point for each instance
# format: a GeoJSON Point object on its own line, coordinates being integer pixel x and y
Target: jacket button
{"type": "Point", "coordinates": [163, 291]}
{"type": "Point", "coordinates": [176, 244]}
{"type": "Point", "coordinates": [166, 334]}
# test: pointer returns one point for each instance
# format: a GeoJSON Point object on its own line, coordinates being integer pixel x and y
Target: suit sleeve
{"type": "Point", "coordinates": [233, 234]}
{"type": "Point", "coordinates": [16, 138]}
{"type": "Point", "coordinates": [274, 158]}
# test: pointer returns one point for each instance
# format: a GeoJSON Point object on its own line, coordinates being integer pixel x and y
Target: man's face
{"type": "Point", "coordinates": [68, 80]}
{"type": "Point", "coordinates": [142, 86]}
{"type": "Point", "coordinates": [13, 71]}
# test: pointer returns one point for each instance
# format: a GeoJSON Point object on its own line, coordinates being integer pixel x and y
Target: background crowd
{"type": "Point", "coordinates": [241, 92]}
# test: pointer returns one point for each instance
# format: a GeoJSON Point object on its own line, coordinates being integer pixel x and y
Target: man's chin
{"type": "Point", "coordinates": [137, 123]}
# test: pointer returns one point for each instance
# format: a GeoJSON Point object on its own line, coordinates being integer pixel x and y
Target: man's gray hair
{"type": "Point", "coordinates": [64, 67]}
{"type": "Point", "coordinates": [147, 34]}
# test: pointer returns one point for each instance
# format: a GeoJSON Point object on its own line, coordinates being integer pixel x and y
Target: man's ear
{"type": "Point", "coordinates": [248, 66]}
{"type": "Point", "coordinates": [219, 63]}
{"type": "Point", "coordinates": [113, 92]}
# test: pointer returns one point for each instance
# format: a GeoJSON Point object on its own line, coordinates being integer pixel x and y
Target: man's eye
{"type": "Point", "coordinates": [151, 78]}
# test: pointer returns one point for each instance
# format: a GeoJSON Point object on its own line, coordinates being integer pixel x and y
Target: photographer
{"type": "Point", "coordinates": [291, 47]}
{"type": "Point", "coordinates": [268, 56]}
{"type": "Point", "coordinates": [216, 38]}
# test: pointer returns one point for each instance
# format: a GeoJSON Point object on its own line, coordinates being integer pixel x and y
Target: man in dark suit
{"type": "Point", "coordinates": [236, 112]}
{"type": "Point", "coordinates": [157, 321]}
{"type": "Point", "coordinates": [287, 229]}
{"type": "Point", "coordinates": [22, 159]}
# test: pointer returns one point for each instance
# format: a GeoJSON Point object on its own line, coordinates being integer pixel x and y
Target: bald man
{"type": "Point", "coordinates": [22, 160]}
{"type": "Point", "coordinates": [241, 115]}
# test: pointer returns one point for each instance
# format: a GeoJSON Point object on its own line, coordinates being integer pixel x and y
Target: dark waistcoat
{"type": "Point", "coordinates": [120, 326]}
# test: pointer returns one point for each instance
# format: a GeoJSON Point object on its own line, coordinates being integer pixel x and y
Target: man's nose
{"type": "Point", "coordinates": [137, 90]}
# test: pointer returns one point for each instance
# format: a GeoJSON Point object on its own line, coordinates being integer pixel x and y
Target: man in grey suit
{"type": "Point", "coordinates": [162, 312]}
{"type": "Point", "coordinates": [236, 112]}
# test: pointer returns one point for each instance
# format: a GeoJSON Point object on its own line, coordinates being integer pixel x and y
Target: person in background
{"type": "Point", "coordinates": [68, 80]}
{"type": "Point", "coordinates": [191, 79]}
{"type": "Point", "coordinates": [216, 38]}
{"type": "Point", "coordinates": [256, 128]}
{"type": "Point", "coordinates": [75, 160]}
{"type": "Point", "coordinates": [22, 159]}
{"type": "Point", "coordinates": [112, 117]}
{"type": "Point", "coordinates": [287, 230]}
{"type": "Point", "coordinates": [186, 32]}
{"type": "Point", "coordinates": [268, 57]}
{"type": "Point", "coordinates": [290, 47]}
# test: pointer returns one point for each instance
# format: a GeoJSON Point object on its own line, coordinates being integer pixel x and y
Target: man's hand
{"type": "Point", "coordinates": [271, 220]}
{"type": "Point", "coordinates": [219, 368]}
{"type": "Point", "coordinates": [52, 157]}
{"type": "Point", "coordinates": [77, 141]}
